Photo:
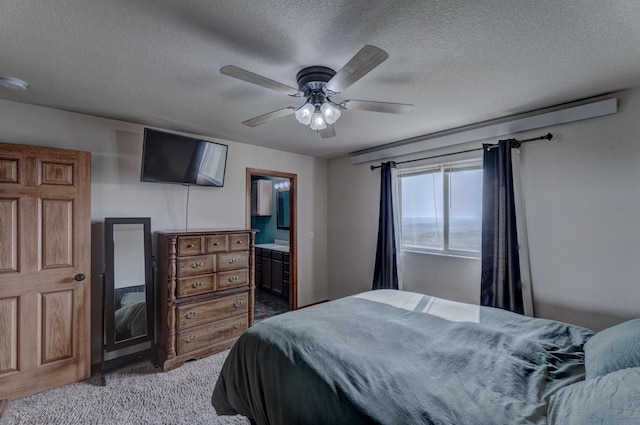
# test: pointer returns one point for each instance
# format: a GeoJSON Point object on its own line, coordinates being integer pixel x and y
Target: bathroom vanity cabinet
{"type": "Point", "coordinates": [272, 271]}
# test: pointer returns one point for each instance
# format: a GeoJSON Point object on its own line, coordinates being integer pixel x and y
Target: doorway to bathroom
{"type": "Point", "coordinates": [272, 209]}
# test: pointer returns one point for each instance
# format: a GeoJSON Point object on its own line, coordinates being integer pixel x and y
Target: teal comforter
{"type": "Point", "coordinates": [358, 360]}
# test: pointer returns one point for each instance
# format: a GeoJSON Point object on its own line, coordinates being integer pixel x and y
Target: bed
{"type": "Point", "coordinates": [130, 317]}
{"type": "Point", "coordinates": [395, 357]}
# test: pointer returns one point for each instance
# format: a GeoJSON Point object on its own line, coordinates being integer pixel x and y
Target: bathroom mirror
{"type": "Point", "coordinates": [282, 209]}
{"type": "Point", "coordinates": [128, 284]}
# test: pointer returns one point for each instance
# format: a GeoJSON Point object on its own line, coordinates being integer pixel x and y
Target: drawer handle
{"type": "Point", "coordinates": [190, 245]}
{"type": "Point", "coordinates": [198, 264]}
{"type": "Point", "coordinates": [239, 242]}
{"type": "Point", "coordinates": [197, 284]}
{"type": "Point", "coordinates": [237, 325]}
{"type": "Point", "coordinates": [237, 304]}
{"type": "Point", "coordinates": [190, 338]}
{"type": "Point", "coordinates": [233, 260]}
{"type": "Point", "coordinates": [233, 278]}
{"type": "Point", "coordinates": [216, 243]}
{"type": "Point", "coordinates": [191, 314]}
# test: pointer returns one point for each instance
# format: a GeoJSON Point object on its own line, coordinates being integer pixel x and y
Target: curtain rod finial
{"type": "Point", "coordinates": [549, 136]}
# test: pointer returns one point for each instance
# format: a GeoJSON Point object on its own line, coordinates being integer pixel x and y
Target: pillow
{"type": "Point", "coordinates": [613, 349]}
{"type": "Point", "coordinates": [613, 399]}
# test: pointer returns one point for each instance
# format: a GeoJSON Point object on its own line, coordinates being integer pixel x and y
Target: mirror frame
{"type": "Point", "coordinates": [109, 285]}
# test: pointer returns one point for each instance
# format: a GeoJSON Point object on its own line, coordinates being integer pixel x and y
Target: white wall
{"type": "Point", "coordinates": [582, 202]}
{"type": "Point", "coordinates": [116, 190]}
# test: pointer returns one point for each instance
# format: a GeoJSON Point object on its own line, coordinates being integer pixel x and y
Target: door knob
{"type": "Point", "coordinates": [80, 277]}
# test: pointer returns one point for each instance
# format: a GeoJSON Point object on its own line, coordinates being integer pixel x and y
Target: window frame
{"type": "Point", "coordinates": [446, 168]}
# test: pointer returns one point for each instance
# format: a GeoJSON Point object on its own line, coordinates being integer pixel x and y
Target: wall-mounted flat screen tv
{"type": "Point", "coordinates": [170, 158]}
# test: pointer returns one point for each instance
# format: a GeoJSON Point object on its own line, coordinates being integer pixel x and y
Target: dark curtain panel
{"type": "Point", "coordinates": [501, 285]}
{"type": "Point", "coordinates": [385, 275]}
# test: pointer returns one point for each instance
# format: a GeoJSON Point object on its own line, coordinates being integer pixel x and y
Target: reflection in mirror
{"type": "Point", "coordinates": [128, 291]}
{"type": "Point", "coordinates": [129, 281]}
{"type": "Point", "coordinates": [282, 209]}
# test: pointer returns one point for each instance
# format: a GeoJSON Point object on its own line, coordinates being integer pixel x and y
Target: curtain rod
{"type": "Point", "coordinates": [547, 136]}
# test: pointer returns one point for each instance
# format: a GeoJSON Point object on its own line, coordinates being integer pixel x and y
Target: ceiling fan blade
{"type": "Point", "coordinates": [368, 105]}
{"type": "Point", "coordinates": [364, 61]}
{"type": "Point", "coordinates": [330, 131]}
{"type": "Point", "coordinates": [263, 119]}
{"type": "Point", "coordinates": [250, 77]}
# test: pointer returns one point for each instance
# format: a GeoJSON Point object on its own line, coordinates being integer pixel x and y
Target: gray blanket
{"type": "Point", "coordinates": [353, 361]}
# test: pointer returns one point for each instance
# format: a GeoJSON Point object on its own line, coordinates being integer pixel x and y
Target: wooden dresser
{"type": "Point", "coordinates": [206, 292]}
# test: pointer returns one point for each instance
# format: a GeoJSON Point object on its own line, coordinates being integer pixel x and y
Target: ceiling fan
{"type": "Point", "coordinates": [317, 85]}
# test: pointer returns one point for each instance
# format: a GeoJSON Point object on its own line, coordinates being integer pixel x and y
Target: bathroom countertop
{"type": "Point", "coordinates": [273, 247]}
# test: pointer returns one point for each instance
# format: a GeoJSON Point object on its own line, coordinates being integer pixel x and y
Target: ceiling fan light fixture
{"type": "Point", "coordinates": [317, 121]}
{"type": "Point", "coordinates": [317, 84]}
{"type": "Point", "coordinates": [330, 112]}
{"type": "Point", "coordinates": [304, 113]}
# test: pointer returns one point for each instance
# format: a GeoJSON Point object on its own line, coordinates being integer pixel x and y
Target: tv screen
{"type": "Point", "coordinates": [170, 158]}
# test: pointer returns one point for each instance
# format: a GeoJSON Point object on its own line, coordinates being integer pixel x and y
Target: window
{"type": "Point", "coordinates": [426, 224]}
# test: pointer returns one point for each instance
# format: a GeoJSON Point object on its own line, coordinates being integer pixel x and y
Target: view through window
{"type": "Point", "coordinates": [441, 208]}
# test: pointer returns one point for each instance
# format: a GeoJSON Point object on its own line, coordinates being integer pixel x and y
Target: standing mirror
{"type": "Point", "coordinates": [128, 292]}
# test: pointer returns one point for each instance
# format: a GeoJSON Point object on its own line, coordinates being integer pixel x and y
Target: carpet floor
{"type": "Point", "coordinates": [135, 394]}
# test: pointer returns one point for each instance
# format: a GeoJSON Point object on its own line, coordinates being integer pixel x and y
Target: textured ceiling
{"type": "Point", "coordinates": [156, 62]}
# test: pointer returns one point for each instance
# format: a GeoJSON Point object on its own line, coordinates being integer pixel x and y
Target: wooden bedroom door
{"type": "Point", "coordinates": [45, 247]}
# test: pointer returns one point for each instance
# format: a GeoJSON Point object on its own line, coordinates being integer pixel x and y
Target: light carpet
{"type": "Point", "coordinates": [135, 394]}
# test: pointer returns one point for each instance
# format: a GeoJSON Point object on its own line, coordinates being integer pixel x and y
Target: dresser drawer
{"type": "Point", "coordinates": [194, 314]}
{"type": "Point", "coordinates": [233, 261]}
{"type": "Point", "coordinates": [239, 242]}
{"type": "Point", "coordinates": [190, 245]}
{"type": "Point", "coordinates": [191, 266]}
{"type": "Point", "coordinates": [210, 333]}
{"type": "Point", "coordinates": [232, 279]}
{"type": "Point", "coordinates": [195, 285]}
{"type": "Point", "coordinates": [216, 243]}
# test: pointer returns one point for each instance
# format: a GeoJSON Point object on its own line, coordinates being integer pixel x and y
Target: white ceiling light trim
{"type": "Point", "coordinates": [561, 116]}
{"type": "Point", "coordinates": [13, 83]}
